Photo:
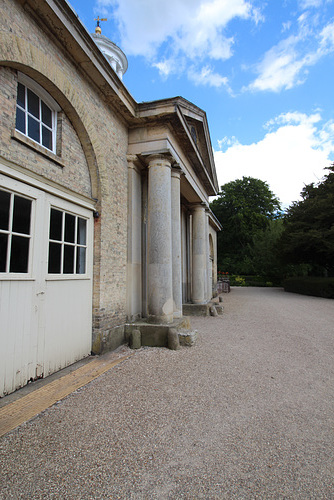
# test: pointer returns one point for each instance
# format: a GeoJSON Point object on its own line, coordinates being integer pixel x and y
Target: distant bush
{"type": "Point", "coordinates": [317, 287]}
{"type": "Point", "coordinates": [239, 281]}
{"type": "Point", "coordinates": [244, 280]}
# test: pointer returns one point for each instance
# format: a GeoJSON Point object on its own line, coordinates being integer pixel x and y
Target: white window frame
{"type": "Point", "coordinates": [44, 96]}
{"type": "Point", "coordinates": [62, 242]}
{"type": "Point", "coordinates": [11, 233]}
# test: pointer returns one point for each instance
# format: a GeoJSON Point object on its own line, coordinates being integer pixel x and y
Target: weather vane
{"type": "Point", "coordinates": [98, 28]}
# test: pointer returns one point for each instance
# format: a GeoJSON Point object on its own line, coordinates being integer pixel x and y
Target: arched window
{"type": "Point", "coordinates": [36, 113]}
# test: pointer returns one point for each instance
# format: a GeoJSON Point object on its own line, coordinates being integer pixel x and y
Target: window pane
{"type": "Point", "coordinates": [69, 228]}
{"type": "Point", "coordinates": [81, 260]}
{"type": "Point", "coordinates": [20, 121]}
{"type": "Point", "coordinates": [33, 103]}
{"type": "Point", "coordinates": [56, 218]}
{"type": "Point", "coordinates": [33, 129]}
{"type": "Point", "coordinates": [81, 231]}
{"type": "Point", "coordinates": [21, 215]}
{"type": "Point", "coordinates": [68, 259]}
{"type": "Point", "coordinates": [46, 115]}
{"type": "Point", "coordinates": [46, 138]}
{"type": "Point", "coordinates": [54, 258]}
{"type": "Point", "coordinates": [21, 98]}
{"type": "Point", "coordinates": [19, 255]}
{"type": "Point", "coordinates": [4, 209]}
{"type": "Point", "coordinates": [3, 252]}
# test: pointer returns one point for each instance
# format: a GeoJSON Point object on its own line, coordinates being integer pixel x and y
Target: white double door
{"type": "Point", "coordinates": [45, 282]}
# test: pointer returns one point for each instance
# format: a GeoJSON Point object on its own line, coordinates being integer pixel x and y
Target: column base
{"type": "Point", "coordinates": [160, 320]}
{"type": "Point", "coordinates": [177, 314]}
{"type": "Point", "coordinates": [202, 309]}
{"type": "Point", "coordinates": [156, 335]}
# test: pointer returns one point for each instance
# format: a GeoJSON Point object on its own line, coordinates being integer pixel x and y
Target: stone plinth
{"type": "Point", "coordinates": [158, 335]}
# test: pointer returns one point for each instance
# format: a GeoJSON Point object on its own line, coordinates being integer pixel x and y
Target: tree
{"type": "Point", "coordinates": [243, 207]}
{"type": "Point", "coordinates": [308, 236]}
{"type": "Point", "coordinates": [264, 253]}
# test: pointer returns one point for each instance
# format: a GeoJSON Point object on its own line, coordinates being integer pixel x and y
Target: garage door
{"type": "Point", "coordinates": [46, 260]}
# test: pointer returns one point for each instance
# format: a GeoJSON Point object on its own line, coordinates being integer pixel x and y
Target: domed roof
{"type": "Point", "coordinates": [116, 57]}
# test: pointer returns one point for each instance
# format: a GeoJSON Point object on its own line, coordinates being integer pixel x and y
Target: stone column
{"type": "Point", "coordinates": [134, 257]}
{"type": "Point", "coordinates": [160, 295]}
{"type": "Point", "coordinates": [199, 255]}
{"type": "Point", "coordinates": [208, 265]}
{"type": "Point", "coordinates": [176, 242]}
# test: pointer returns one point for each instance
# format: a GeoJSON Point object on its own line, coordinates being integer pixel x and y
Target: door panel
{"type": "Point", "coordinates": [45, 320]}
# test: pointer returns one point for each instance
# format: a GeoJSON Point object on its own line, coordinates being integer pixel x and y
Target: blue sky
{"type": "Point", "coordinates": [262, 71]}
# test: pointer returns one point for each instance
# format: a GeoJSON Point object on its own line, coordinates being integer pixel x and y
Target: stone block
{"type": "Point", "coordinates": [173, 339]}
{"type": "Point", "coordinates": [213, 311]}
{"type": "Point", "coordinates": [188, 339]}
{"type": "Point", "coordinates": [135, 339]}
{"type": "Point", "coordinates": [195, 309]}
{"type": "Point", "coordinates": [219, 309]}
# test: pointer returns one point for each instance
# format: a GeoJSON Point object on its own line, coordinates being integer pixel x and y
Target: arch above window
{"type": "Point", "coordinates": [36, 113]}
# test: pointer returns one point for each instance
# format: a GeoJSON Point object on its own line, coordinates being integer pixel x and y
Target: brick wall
{"type": "Point", "coordinates": [93, 147]}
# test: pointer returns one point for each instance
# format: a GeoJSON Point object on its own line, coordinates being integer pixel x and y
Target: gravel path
{"type": "Point", "coordinates": [247, 413]}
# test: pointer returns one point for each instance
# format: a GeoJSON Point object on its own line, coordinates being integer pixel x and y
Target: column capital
{"type": "Point", "coordinates": [198, 206]}
{"type": "Point", "coordinates": [158, 158]}
{"type": "Point", "coordinates": [177, 171]}
{"type": "Point", "coordinates": [131, 158]}
{"type": "Point", "coordinates": [134, 162]}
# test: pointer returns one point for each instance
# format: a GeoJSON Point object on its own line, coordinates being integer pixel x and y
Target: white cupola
{"type": "Point", "coordinates": [115, 56]}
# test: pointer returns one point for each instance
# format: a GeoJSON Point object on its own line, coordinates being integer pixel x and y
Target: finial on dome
{"type": "Point", "coordinates": [114, 55]}
{"type": "Point", "coordinates": [98, 30]}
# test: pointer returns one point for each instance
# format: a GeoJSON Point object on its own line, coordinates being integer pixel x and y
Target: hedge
{"type": "Point", "coordinates": [317, 287]}
{"type": "Point", "coordinates": [244, 280]}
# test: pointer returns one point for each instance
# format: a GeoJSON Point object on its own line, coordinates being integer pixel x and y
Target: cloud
{"type": "Point", "coordinates": [306, 4]}
{"type": "Point", "coordinates": [166, 67]}
{"type": "Point", "coordinates": [193, 31]}
{"type": "Point", "coordinates": [206, 76]}
{"type": "Point", "coordinates": [293, 153]}
{"type": "Point", "coordinates": [286, 65]}
{"type": "Point", "coordinates": [194, 27]}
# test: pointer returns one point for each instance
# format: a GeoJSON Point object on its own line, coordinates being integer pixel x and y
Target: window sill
{"type": "Point", "coordinates": [67, 277]}
{"type": "Point", "coordinates": [36, 147]}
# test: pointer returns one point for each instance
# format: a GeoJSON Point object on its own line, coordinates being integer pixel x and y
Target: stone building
{"type": "Point", "coordinates": [104, 215]}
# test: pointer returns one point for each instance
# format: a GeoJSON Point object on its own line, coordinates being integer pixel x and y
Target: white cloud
{"type": "Point", "coordinates": [286, 26]}
{"type": "Point", "coordinates": [166, 67]}
{"type": "Point", "coordinates": [306, 4]}
{"type": "Point", "coordinates": [192, 27]}
{"type": "Point", "coordinates": [228, 141]}
{"type": "Point", "coordinates": [206, 76]}
{"type": "Point", "coordinates": [292, 154]}
{"type": "Point", "coordinates": [327, 39]}
{"type": "Point", "coordinates": [293, 117]}
{"type": "Point", "coordinates": [286, 65]}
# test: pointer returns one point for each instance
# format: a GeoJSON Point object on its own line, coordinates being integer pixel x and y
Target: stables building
{"type": "Point", "coordinates": [104, 202]}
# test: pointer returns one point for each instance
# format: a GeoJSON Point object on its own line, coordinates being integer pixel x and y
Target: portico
{"type": "Point", "coordinates": [174, 183]}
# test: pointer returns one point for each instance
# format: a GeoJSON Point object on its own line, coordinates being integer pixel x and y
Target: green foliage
{"type": "Point", "coordinates": [318, 287]}
{"type": "Point", "coordinates": [308, 236]}
{"type": "Point", "coordinates": [263, 250]}
{"type": "Point", "coordinates": [244, 207]}
{"type": "Point", "coordinates": [252, 280]}
{"type": "Point", "coordinates": [239, 281]}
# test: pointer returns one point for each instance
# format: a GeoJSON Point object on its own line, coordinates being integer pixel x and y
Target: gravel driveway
{"type": "Point", "coordinates": [246, 413]}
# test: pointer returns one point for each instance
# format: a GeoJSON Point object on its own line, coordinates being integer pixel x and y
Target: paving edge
{"type": "Point", "coordinates": [27, 407]}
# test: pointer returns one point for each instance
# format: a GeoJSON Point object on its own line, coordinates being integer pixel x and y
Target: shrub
{"type": "Point", "coordinates": [239, 281]}
{"type": "Point", "coordinates": [317, 287]}
{"type": "Point", "coordinates": [244, 280]}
